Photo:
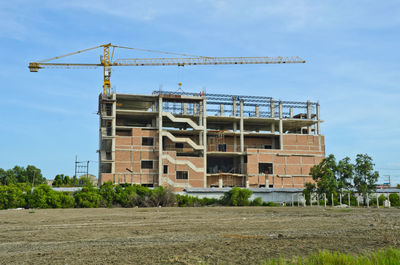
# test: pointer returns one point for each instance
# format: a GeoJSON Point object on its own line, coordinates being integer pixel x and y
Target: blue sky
{"type": "Point", "coordinates": [352, 68]}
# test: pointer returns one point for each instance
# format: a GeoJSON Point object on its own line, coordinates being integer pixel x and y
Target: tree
{"type": "Point", "coordinates": [365, 177]}
{"type": "Point", "coordinates": [324, 174]}
{"type": "Point", "coordinates": [345, 173]}
{"type": "Point", "coordinates": [7, 177]}
{"type": "Point", "coordinates": [309, 189]}
{"type": "Point", "coordinates": [62, 181]}
{"type": "Point", "coordinates": [20, 174]}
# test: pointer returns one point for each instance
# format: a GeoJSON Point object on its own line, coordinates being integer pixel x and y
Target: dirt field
{"type": "Point", "coordinates": [189, 235]}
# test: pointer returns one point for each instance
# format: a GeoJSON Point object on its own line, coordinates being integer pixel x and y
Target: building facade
{"type": "Point", "coordinates": [189, 140]}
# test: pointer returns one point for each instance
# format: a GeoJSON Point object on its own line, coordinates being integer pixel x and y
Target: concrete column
{"type": "Point", "coordinates": [272, 107]}
{"type": "Point", "coordinates": [221, 110]}
{"type": "Point", "coordinates": [234, 108]}
{"type": "Point", "coordinates": [205, 140]}
{"type": "Point", "coordinates": [234, 137]}
{"type": "Point", "coordinates": [160, 138]}
{"type": "Point", "coordinates": [113, 131]}
{"type": "Point", "coordinates": [280, 126]}
{"type": "Point", "coordinates": [267, 182]}
{"type": "Point", "coordinates": [194, 109]}
{"type": "Point", "coordinates": [318, 119]}
{"type": "Point", "coordinates": [272, 110]}
{"type": "Point", "coordinates": [241, 138]}
{"type": "Point", "coordinates": [220, 184]}
{"type": "Point", "coordinates": [185, 108]}
{"type": "Point", "coordinates": [201, 113]}
{"type": "Point", "coordinates": [291, 113]}
{"type": "Point", "coordinates": [257, 111]}
{"type": "Point", "coordinates": [308, 115]}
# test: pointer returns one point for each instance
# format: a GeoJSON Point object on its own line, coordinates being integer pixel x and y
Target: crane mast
{"type": "Point", "coordinates": [107, 61]}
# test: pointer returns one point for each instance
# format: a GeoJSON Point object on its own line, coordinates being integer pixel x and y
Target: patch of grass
{"type": "Point", "coordinates": [345, 210]}
{"type": "Point", "coordinates": [389, 256]}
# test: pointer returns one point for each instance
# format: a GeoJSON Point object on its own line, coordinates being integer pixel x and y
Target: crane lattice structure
{"type": "Point", "coordinates": [107, 61]}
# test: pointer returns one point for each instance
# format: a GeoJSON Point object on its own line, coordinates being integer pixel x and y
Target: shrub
{"type": "Point", "coordinates": [381, 199]}
{"type": "Point", "coordinates": [44, 197]}
{"type": "Point", "coordinates": [394, 199]}
{"type": "Point", "coordinates": [88, 197]}
{"type": "Point", "coordinates": [162, 197]}
{"type": "Point", "coordinates": [125, 195]}
{"type": "Point", "coordinates": [272, 204]}
{"type": "Point", "coordinates": [144, 196]}
{"type": "Point", "coordinates": [67, 201]}
{"type": "Point", "coordinates": [12, 196]}
{"type": "Point", "coordinates": [194, 201]}
{"type": "Point", "coordinates": [107, 193]}
{"type": "Point", "coordinates": [256, 202]}
{"type": "Point", "coordinates": [237, 197]}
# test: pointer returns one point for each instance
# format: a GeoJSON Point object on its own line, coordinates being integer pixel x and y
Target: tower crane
{"type": "Point", "coordinates": [107, 61]}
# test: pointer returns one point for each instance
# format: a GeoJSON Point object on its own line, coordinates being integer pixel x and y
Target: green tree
{"type": "Point", "coordinates": [7, 177]}
{"type": "Point", "coordinates": [344, 173]}
{"type": "Point", "coordinates": [324, 174]}
{"type": "Point", "coordinates": [20, 174]}
{"type": "Point", "coordinates": [309, 189]}
{"type": "Point", "coordinates": [365, 177]}
{"type": "Point", "coordinates": [58, 180]}
{"type": "Point", "coordinates": [62, 181]}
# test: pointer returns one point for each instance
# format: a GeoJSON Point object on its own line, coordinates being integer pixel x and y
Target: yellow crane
{"type": "Point", "coordinates": [107, 61]}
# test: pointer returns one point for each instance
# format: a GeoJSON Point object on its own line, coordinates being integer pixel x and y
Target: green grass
{"type": "Point", "coordinates": [385, 257]}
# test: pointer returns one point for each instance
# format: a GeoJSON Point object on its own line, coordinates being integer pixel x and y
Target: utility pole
{"type": "Point", "coordinates": [33, 180]}
{"type": "Point", "coordinates": [87, 173]}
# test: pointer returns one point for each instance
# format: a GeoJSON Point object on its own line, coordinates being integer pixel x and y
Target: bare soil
{"type": "Point", "coordinates": [214, 235]}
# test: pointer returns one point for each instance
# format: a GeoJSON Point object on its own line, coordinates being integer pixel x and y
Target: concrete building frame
{"type": "Point", "coordinates": [279, 141]}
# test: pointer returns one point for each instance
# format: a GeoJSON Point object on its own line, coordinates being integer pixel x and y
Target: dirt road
{"type": "Point", "coordinates": [189, 235]}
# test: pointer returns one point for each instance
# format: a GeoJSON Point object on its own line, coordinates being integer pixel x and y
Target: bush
{"type": "Point", "coordinates": [194, 201]}
{"type": "Point", "coordinates": [381, 199]}
{"type": "Point", "coordinates": [394, 199]}
{"type": "Point", "coordinates": [272, 204]}
{"type": "Point", "coordinates": [162, 197]}
{"type": "Point", "coordinates": [67, 201]}
{"type": "Point", "coordinates": [12, 196]}
{"type": "Point", "coordinates": [88, 197]}
{"type": "Point", "coordinates": [126, 195]}
{"type": "Point", "coordinates": [256, 202]}
{"type": "Point", "coordinates": [43, 197]}
{"type": "Point", "coordinates": [237, 197]}
{"type": "Point", "coordinates": [107, 193]}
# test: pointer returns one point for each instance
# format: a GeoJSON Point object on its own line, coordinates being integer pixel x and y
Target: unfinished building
{"type": "Point", "coordinates": [188, 140]}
